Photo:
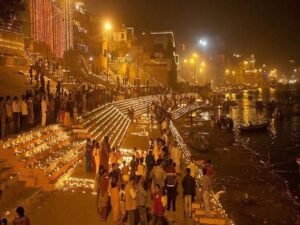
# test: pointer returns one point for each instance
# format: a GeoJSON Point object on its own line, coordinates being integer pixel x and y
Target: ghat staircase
{"type": "Point", "coordinates": [44, 156]}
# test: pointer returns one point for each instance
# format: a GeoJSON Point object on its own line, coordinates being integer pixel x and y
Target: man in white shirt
{"type": "Point", "coordinates": [24, 113]}
{"type": "Point", "coordinates": [176, 156]}
{"type": "Point", "coordinates": [164, 124]}
{"type": "Point", "coordinates": [16, 109]}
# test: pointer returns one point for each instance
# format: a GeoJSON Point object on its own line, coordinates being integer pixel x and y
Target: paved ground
{"type": "Point", "coordinates": [67, 208]}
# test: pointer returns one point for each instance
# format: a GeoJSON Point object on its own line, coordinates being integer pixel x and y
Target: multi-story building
{"type": "Point", "coordinates": [160, 60]}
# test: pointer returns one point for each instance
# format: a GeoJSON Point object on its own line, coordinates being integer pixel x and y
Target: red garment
{"type": "Point", "coordinates": [209, 170]}
{"type": "Point", "coordinates": [158, 208]}
{"type": "Point", "coordinates": [21, 221]}
{"type": "Point", "coordinates": [171, 178]}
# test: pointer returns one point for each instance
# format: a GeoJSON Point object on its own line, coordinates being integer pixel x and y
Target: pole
{"type": "Point", "coordinates": [107, 61]}
{"type": "Point", "coordinates": [194, 74]}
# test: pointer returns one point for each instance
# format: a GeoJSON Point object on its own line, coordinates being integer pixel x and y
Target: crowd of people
{"type": "Point", "coordinates": [20, 218]}
{"type": "Point", "coordinates": [41, 106]}
{"type": "Point", "coordinates": [144, 185]}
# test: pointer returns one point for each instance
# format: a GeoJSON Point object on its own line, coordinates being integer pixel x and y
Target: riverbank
{"type": "Point", "coordinates": [254, 195]}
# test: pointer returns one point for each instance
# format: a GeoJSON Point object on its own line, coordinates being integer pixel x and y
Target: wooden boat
{"type": "Point", "coordinates": [255, 127]}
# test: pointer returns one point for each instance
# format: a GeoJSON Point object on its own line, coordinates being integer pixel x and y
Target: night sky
{"type": "Point", "coordinates": [268, 28]}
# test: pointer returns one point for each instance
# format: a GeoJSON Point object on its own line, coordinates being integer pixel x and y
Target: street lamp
{"type": "Point", "coordinates": [193, 63]}
{"type": "Point", "coordinates": [203, 43]}
{"type": "Point", "coordinates": [107, 29]}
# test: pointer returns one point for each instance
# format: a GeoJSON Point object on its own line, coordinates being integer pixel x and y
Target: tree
{"type": "Point", "coordinates": [10, 12]}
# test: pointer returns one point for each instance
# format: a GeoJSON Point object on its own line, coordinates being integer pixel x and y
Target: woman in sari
{"type": "Point", "coordinates": [104, 153]}
{"type": "Point", "coordinates": [115, 194]}
{"type": "Point", "coordinates": [102, 193]}
{"type": "Point", "coordinates": [97, 156]}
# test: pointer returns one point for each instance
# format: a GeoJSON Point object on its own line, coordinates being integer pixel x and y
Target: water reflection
{"type": "Point", "coordinates": [280, 144]}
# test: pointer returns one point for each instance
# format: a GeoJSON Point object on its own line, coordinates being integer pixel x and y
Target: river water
{"type": "Point", "coordinates": [258, 170]}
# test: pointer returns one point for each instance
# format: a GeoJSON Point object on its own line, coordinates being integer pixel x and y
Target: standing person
{"type": "Point", "coordinates": [171, 185]}
{"type": "Point", "coordinates": [122, 204]}
{"type": "Point", "coordinates": [176, 156]}
{"type": "Point", "coordinates": [16, 109]}
{"type": "Point", "coordinates": [44, 111]}
{"type": "Point", "coordinates": [132, 166]}
{"type": "Point", "coordinates": [114, 193]}
{"type": "Point", "coordinates": [158, 206]}
{"type": "Point", "coordinates": [130, 202]}
{"type": "Point", "coordinates": [24, 113]}
{"type": "Point", "coordinates": [125, 172]}
{"type": "Point", "coordinates": [142, 196]}
{"type": "Point", "coordinates": [141, 168]}
{"type": "Point", "coordinates": [149, 163]}
{"type": "Point", "coordinates": [88, 149]}
{"type": "Point", "coordinates": [42, 78]}
{"type": "Point", "coordinates": [51, 109]}
{"type": "Point", "coordinates": [210, 169]}
{"type": "Point", "coordinates": [30, 111]}
{"type": "Point", "coordinates": [4, 221]}
{"type": "Point", "coordinates": [157, 150]}
{"type": "Point", "coordinates": [2, 117]}
{"type": "Point", "coordinates": [102, 193]}
{"type": "Point", "coordinates": [104, 153]}
{"type": "Point", "coordinates": [164, 124]}
{"type": "Point", "coordinates": [189, 190]}
{"type": "Point", "coordinates": [21, 219]}
{"type": "Point", "coordinates": [69, 109]}
{"type": "Point", "coordinates": [9, 115]}
{"type": "Point", "coordinates": [206, 189]}
{"type": "Point", "coordinates": [113, 156]}
{"type": "Point", "coordinates": [96, 156]}
{"type": "Point", "coordinates": [48, 87]}
{"type": "Point", "coordinates": [158, 175]}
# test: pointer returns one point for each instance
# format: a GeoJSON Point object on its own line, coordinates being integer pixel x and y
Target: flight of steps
{"type": "Point", "coordinates": [43, 155]}
{"type": "Point", "coordinates": [138, 104]}
{"type": "Point", "coordinates": [183, 110]}
{"type": "Point", "coordinates": [106, 121]}
{"type": "Point", "coordinates": [214, 217]}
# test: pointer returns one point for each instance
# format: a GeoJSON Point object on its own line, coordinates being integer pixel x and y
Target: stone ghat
{"type": "Point", "coordinates": [46, 156]}
{"type": "Point", "coordinates": [111, 119]}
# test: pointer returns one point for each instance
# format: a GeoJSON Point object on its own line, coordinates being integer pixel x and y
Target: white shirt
{"type": "Point", "coordinates": [24, 108]}
{"type": "Point", "coordinates": [16, 107]}
{"type": "Point", "coordinates": [164, 125]}
{"type": "Point", "coordinates": [175, 154]}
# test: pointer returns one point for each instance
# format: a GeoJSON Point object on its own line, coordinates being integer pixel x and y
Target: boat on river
{"type": "Point", "coordinates": [254, 127]}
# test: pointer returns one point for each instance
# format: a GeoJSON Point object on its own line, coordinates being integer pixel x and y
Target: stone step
{"type": "Point", "coordinates": [99, 129]}
{"type": "Point", "coordinates": [97, 115]}
{"type": "Point", "coordinates": [201, 212]}
{"type": "Point", "coordinates": [43, 155]}
{"type": "Point", "coordinates": [110, 126]}
{"type": "Point", "coordinates": [121, 133]}
{"type": "Point", "coordinates": [211, 221]}
{"type": "Point", "coordinates": [30, 137]}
